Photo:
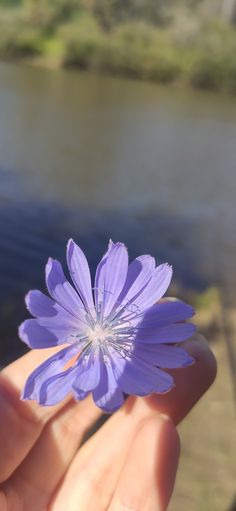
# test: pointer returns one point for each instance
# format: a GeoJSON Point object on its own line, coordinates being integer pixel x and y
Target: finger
{"type": "Point", "coordinates": [33, 483]}
{"type": "Point", "coordinates": [22, 421]}
{"type": "Point", "coordinates": [147, 479]}
{"type": "Point", "coordinates": [90, 481]}
{"type": "Point", "coordinates": [25, 421]}
{"type": "Point", "coordinates": [190, 384]}
{"type": "Point", "coordinates": [93, 472]}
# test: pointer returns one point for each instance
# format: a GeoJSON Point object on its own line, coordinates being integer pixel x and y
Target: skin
{"type": "Point", "coordinates": [129, 464]}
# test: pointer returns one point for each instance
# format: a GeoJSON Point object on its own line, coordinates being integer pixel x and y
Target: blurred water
{"type": "Point", "coordinates": [94, 157]}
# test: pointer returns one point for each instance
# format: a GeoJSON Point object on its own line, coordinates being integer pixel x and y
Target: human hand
{"type": "Point", "coordinates": [129, 464]}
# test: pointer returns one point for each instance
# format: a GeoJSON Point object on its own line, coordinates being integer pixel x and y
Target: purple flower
{"type": "Point", "coordinates": [118, 338]}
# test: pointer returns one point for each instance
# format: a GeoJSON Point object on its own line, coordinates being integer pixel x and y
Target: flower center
{"type": "Point", "coordinates": [99, 334]}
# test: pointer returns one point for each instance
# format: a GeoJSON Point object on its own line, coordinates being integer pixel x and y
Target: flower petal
{"type": "Point", "coordinates": [48, 311]}
{"type": "Point", "coordinates": [156, 288]}
{"type": "Point", "coordinates": [99, 277]}
{"type": "Point", "coordinates": [39, 304]}
{"type": "Point", "coordinates": [36, 336]}
{"type": "Point", "coordinates": [139, 273]}
{"type": "Point", "coordinates": [62, 291]}
{"type": "Point", "coordinates": [168, 357]}
{"type": "Point", "coordinates": [88, 375]}
{"type": "Point", "coordinates": [177, 332]}
{"type": "Point", "coordinates": [165, 313]}
{"type": "Point", "coordinates": [135, 376]}
{"type": "Point", "coordinates": [63, 325]}
{"type": "Point", "coordinates": [110, 276]}
{"type": "Point", "coordinates": [80, 274]}
{"type": "Point", "coordinates": [79, 395]}
{"type": "Point", "coordinates": [47, 369]}
{"type": "Point", "coordinates": [57, 387]}
{"type": "Point", "coordinates": [107, 395]}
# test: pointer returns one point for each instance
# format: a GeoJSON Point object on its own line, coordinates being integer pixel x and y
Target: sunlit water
{"type": "Point", "coordinates": [94, 157]}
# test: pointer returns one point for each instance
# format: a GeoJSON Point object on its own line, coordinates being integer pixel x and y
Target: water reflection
{"type": "Point", "coordinates": [93, 157]}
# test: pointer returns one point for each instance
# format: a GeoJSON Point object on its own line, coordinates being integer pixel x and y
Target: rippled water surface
{"type": "Point", "coordinates": [93, 157]}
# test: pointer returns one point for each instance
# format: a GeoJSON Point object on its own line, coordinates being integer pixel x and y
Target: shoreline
{"type": "Point", "coordinates": [48, 63]}
{"type": "Point", "coordinates": [203, 58]}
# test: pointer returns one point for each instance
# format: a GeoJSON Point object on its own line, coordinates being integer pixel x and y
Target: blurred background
{"type": "Point", "coordinates": [118, 119]}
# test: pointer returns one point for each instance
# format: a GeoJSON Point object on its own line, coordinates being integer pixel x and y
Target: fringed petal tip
{"type": "Point", "coordinates": [70, 243]}
{"type": "Point", "coordinates": [48, 267]}
{"type": "Point", "coordinates": [27, 299]}
{"type": "Point", "coordinates": [166, 267]}
{"type": "Point", "coordinates": [21, 331]}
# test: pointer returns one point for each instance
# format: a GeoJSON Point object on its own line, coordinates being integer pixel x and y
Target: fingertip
{"type": "Point", "coordinates": [148, 477]}
{"type": "Point", "coordinates": [198, 348]}
{"type": "Point", "coordinates": [191, 382]}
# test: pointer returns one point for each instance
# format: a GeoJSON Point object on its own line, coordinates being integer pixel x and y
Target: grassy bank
{"type": "Point", "coordinates": [200, 53]}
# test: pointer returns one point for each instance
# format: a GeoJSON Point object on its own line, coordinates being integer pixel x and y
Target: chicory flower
{"type": "Point", "coordinates": [117, 338]}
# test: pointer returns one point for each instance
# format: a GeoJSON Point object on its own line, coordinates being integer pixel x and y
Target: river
{"type": "Point", "coordinates": [97, 157]}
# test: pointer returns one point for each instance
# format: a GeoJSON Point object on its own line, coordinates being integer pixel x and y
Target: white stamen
{"type": "Point", "coordinates": [99, 335]}
{"type": "Point", "coordinates": [116, 330]}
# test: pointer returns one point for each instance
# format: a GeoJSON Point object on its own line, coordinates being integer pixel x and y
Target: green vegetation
{"type": "Point", "coordinates": [208, 310]}
{"type": "Point", "coordinates": [172, 41]}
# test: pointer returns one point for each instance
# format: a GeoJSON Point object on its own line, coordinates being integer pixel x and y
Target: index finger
{"type": "Point", "coordinates": [22, 422]}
